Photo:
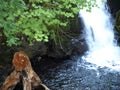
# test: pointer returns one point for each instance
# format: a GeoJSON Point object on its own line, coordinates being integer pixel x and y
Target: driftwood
{"type": "Point", "coordinates": [22, 71]}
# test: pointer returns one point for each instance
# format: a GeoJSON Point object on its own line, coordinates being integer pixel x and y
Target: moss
{"type": "Point", "coordinates": [117, 21]}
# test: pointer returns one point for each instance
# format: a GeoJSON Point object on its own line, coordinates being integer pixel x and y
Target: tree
{"type": "Point", "coordinates": [38, 20]}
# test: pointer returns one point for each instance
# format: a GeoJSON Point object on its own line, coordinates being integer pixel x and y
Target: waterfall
{"type": "Point", "coordinates": [103, 50]}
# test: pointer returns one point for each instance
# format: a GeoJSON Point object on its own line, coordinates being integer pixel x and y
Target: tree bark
{"type": "Point", "coordinates": [23, 68]}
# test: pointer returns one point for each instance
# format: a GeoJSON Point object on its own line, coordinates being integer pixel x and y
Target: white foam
{"type": "Point", "coordinates": [103, 51]}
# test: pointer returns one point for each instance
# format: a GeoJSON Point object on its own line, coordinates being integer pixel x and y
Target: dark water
{"type": "Point", "coordinates": [68, 75]}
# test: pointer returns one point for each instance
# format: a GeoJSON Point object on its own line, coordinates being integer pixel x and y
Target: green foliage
{"type": "Point", "coordinates": [10, 11]}
{"type": "Point", "coordinates": [38, 20]}
{"type": "Point", "coordinates": [117, 22]}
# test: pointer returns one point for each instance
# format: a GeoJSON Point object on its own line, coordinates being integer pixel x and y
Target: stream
{"type": "Point", "coordinates": [72, 75]}
{"type": "Point", "coordinates": [99, 68]}
{"type": "Point", "coordinates": [92, 71]}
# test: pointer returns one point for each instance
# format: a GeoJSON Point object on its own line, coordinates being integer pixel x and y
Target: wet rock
{"type": "Point", "coordinates": [114, 6]}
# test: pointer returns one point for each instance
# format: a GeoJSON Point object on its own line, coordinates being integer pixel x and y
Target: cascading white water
{"type": "Point", "coordinates": [103, 50]}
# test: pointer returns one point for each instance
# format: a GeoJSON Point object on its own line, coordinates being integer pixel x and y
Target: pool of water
{"type": "Point", "coordinates": [73, 75]}
{"type": "Point", "coordinates": [68, 75]}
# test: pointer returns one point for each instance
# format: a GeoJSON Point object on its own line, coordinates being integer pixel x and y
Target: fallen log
{"type": "Point", "coordinates": [22, 71]}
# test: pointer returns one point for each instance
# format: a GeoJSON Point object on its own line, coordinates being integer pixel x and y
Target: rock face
{"type": "Point", "coordinates": [114, 6]}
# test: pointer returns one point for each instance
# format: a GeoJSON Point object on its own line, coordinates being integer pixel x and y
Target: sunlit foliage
{"type": "Point", "coordinates": [37, 20]}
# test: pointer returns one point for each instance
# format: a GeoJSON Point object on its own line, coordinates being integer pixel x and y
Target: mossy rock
{"type": "Point", "coordinates": [117, 21]}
